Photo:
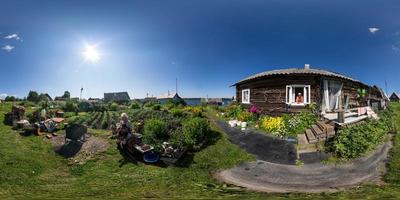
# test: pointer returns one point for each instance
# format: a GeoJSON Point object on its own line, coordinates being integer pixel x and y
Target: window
{"type": "Point", "coordinates": [246, 96]}
{"type": "Point", "coordinates": [298, 94]}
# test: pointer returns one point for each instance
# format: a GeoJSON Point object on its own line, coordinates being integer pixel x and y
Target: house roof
{"type": "Point", "coordinates": [394, 96]}
{"type": "Point", "coordinates": [168, 96]}
{"type": "Point", "coordinates": [116, 96]}
{"type": "Point", "coordinates": [297, 71]}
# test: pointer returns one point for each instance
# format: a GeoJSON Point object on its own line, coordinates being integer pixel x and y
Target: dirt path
{"type": "Point", "coordinates": [271, 177]}
{"type": "Point", "coordinates": [79, 152]}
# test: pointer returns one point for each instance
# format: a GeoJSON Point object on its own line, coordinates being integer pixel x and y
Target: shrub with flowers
{"type": "Point", "coordinates": [274, 125]}
{"type": "Point", "coordinates": [298, 123]}
{"type": "Point", "coordinates": [196, 111]}
{"type": "Point", "coordinates": [255, 109]}
{"type": "Point", "coordinates": [245, 116]}
{"type": "Point", "coordinates": [233, 111]}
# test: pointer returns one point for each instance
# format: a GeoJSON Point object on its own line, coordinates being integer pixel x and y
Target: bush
{"type": "Point", "coordinates": [85, 106]}
{"type": "Point", "coordinates": [195, 111]}
{"type": "Point", "coordinates": [114, 106]}
{"type": "Point", "coordinates": [274, 125]}
{"type": "Point", "coordinates": [135, 105]}
{"type": "Point", "coordinates": [70, 107]}
{"type": "Point", "coordinates": [233, 110]}
{"type": "Point", "coordinates": [355, 141]}
{"type": "Point", "coordinates": [298, 123]}
{"type": "Point", "coordinates": [156, 107]}
{"type": "Point", "coordinates": [176, 112]}
{"type": "Point", "coordinates": [193, 132]}
{"type": "Point", "coordinates": [155, 132]}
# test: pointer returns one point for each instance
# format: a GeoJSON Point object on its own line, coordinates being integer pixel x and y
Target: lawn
{"type": "Point", "coordinates": [30, 168]}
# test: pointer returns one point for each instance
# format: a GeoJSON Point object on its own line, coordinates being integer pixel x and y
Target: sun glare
{"type": "Point", "coordinates": [91, 54]}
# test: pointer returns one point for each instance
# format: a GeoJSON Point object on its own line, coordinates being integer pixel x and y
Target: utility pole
{"type": "Point", "coordinates": [386, 88]}
{"type": "Point", "coordinates": [176, 85]}
{"type": "Point", "coordinates": [80, 96]}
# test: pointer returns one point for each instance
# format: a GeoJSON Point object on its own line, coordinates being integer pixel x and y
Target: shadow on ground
{"type": "Point", "coordinates": [70, 149]}
{"type": "Point", "coordinates": [263, 146]}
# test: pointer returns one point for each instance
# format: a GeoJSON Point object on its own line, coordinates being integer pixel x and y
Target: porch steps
{"type": "Point", "coordinates": [320, 131]}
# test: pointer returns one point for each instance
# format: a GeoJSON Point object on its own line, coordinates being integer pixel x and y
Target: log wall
{"type": "Point", "coordinates": [270, 93]}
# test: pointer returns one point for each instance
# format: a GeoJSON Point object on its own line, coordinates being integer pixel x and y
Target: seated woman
{"type": "Point", "coordinates": [124, 129]}
{"type": "Point", "coordinates": [299, 98]}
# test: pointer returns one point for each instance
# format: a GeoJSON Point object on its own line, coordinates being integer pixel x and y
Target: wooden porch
{"type": "Point", "coordinates": [351, 116]}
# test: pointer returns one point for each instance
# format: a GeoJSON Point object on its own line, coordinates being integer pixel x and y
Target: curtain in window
{"type": "Point", "coordinates": [334, 91]}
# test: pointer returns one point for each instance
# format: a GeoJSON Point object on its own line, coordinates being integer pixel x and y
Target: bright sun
{"type": "Point", "coordinates": [91, 54]}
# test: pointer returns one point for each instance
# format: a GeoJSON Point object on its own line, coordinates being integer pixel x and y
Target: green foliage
{"type": "Point", "coordinates": [43, 97]}
{"type": "Point", "coordinates": [43, 174]}
{"type": "Point", "coordinates": [195, 111]}
{"type": "Point", "coordinates": [299, 122]}
{"type": "Point", "coordinates": [176, 112]}
{"type": "Point", "coordinates": [393, 172]}
{"type": "Point", "coordinates": [156, 107]}
{"type": "Point", "coordinates": [135, 105]}
{"type": "Point", "coordinates": [194, 131]}
{"type": "Point", "coordinates": [288, 125]}
{"type": "Point", "coordinates": [99, 107]}
{"type": "Point", "coordinates": [84, 106]}
{"type": "Point", "coordinates": [355, 141]}
{"type": "Point", "coordinates": [299, 163]}
{"type": "Point", "coordinates": [155, 132]}
{"type": "Point", "coordinates": [33, 96]}
{"type": "Point", "coordinates": [70, 106]}
{"type": "Point", "coordinates": [233, 111]}
{"type": "Point", "coordinates": [10, 98]}
{"type": "Point", "coordinates": [113, 106]}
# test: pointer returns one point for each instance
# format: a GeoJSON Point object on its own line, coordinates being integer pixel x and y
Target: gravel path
{"type": "Point", "coordinates": [264, 147]}
{"type": "Point", "coordinates": [271, 177]}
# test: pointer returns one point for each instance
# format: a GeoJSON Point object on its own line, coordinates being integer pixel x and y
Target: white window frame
{"type": "Point", "coordinates": [243, 94]}
{"type": "Point", "coordinates": [291, 99]}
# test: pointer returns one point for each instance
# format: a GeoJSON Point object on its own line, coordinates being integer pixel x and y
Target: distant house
{"type": "Point", "coordinates": [120, 97]}
{"type": "Point", "coordinates": [216, 101]}
{"type": "Point", "coordinates": [148, 99]}
{"type": "Point", "coordinates": [394, 97]}
{"type": "Point", "coordinates": [290, 90]}
{"type": "Point", "coordinates": [170, 97]}
{"type": "Point", "coordinates": [94, 100]}
{"type": "Point", "coordinates": [377, 98]}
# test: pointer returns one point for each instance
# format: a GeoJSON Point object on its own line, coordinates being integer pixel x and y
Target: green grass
{"type": "Point", "coordinates": [29, 168]}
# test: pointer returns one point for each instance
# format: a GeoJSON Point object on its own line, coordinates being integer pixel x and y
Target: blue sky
{"type": "Point", "coordinates": [207, 45]}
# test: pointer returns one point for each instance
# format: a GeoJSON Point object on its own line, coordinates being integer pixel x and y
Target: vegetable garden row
{"type": "Point", "coordinates": [96, 120]}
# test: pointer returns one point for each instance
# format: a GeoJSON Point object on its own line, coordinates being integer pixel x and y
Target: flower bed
{"type": "Point", "coordinates": [284, 126]}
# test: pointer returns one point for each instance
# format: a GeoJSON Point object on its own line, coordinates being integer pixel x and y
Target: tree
{"type": "Point", "coordinates": [33, 96]}
{"type": "Point", "coordinates": [70, 107]}
{"type": "Point", "coordinates": [66, 95]}
{"type": "Point", "coordinates": [43, 97]}
{"type": "Point", "coordinates": [10, 98]}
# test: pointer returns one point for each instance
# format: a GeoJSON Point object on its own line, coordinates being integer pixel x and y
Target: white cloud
{"type": "Point", "coordinates": [8, 48]}
{"type": "Point", "coordinates": [373, 30]}
{"type": "Point", "coordinates": [3, 96]}
{"type": "Point", "coordinates": [12, 36]}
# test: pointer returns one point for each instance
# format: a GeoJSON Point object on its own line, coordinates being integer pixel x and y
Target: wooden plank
{"type": "Point", "coordinates": [311, 137]}
{"type": "Point", "coordinates": [317, 132]}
